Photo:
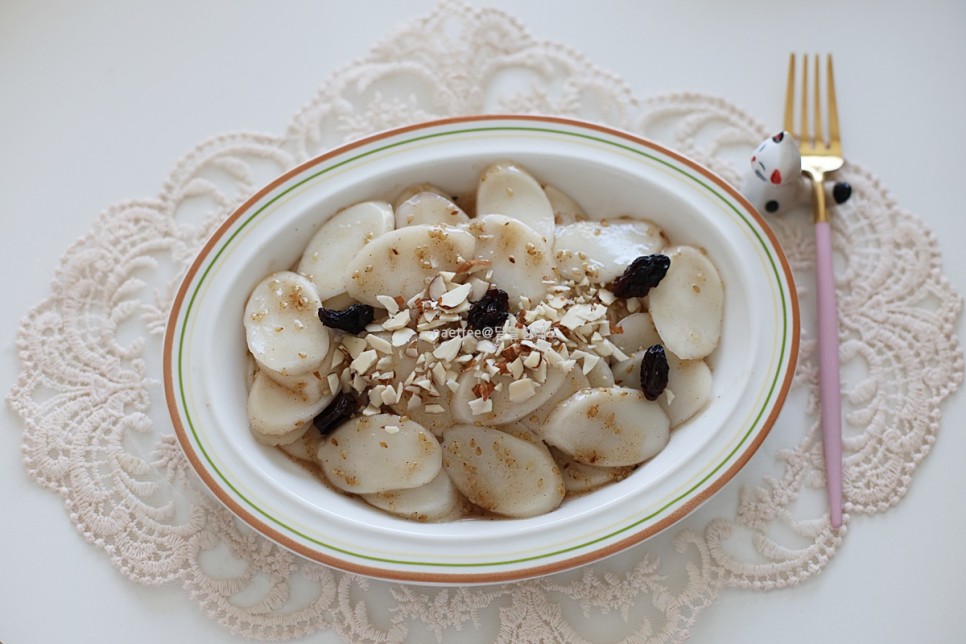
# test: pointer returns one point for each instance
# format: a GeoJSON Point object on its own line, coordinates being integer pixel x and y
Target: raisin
{"type": "Point", "coordinates": [338, 411]}
{"type": "Point", "coordinates": [490, 311]}
{"type": "Point", "coordinates": [351, 320]}
{"type": "Point", "coordinates": [654, 370]}
{"type": "Point", "coordinates": [641, 276]}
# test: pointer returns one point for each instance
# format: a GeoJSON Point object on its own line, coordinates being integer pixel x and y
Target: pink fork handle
{"type": "Point", "coordinates": [828, 347]}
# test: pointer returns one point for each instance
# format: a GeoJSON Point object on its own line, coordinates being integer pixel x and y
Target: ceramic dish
{"type": "Point", "coordinates": [609, 173]}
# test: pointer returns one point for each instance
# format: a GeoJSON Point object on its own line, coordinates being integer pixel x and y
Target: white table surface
{"type": "Point", "coordinates": [98, 101]}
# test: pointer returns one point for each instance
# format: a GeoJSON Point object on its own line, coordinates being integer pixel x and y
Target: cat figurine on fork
{"type": "Point", "coordinates": [775, 183]}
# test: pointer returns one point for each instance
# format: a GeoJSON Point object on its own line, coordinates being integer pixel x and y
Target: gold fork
{"type": "Point", "coordinates": [822, 155]}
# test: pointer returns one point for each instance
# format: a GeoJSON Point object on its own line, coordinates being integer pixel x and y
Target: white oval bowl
{"type": "Point", "coordinates": [608, 172]}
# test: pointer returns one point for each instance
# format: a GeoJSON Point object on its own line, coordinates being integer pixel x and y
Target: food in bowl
{"type": "Point", "coordinates": [608, 172]}
{"type": "Point", "coordinates": [443, 358]}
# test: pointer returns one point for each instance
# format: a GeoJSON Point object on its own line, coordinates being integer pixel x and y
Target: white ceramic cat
{"type": "Point", "coordinates": [775, 183]}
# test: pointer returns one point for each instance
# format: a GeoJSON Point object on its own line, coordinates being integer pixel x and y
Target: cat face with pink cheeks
{"type": "Point", "coordinates": [777, 161]}
{"type": "Point", "coordinates": [775, 183]}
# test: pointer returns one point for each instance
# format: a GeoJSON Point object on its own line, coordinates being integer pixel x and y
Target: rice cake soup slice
{"type": "Point", "coordinates": [602, 250]}
{"type": "Point", "coordinates": [502, 473]}
{"type": "Point", "coordinates": [565, 209]}
{"type": "Point", "coordinates": [402, 262]}
{"type": "Point", "coordinates": [313, 385]}
{"type": "Point", "coordinates": [634, 333]}
{"type": "Point", "coordinates": [688, 305]}
{"type": "Point", "coordinates": [574, 381]}
{"type": "Point", "coordinates": [438, 500]}
{"type": "Point", "coordinates": [380, 453]}
{"type": "Point", "coordinates": [339, 240]}
{"type": "Point", "coordinates": [611, 427]}
{"type": "Point", "coordinates": [278, 415]}
{"type": "Point", "coordinates": [507, 189]}
{"type": "Point", "coordinates": [688, 384]}
{"type": "Point", "coordinates": [429, 208]}
{"type": "Point", "coordinates": [580, 477]}
{"type": "Point", "coordinates": [306, 447]}
{"type": "Point", "coordinates": [600, 375]}
{"type": "Point", "coordinates": [282, 327]}
{"type": "Point", "coordinates": [521, 261]}
{"type": "Point", "coordinates": [411, 191]}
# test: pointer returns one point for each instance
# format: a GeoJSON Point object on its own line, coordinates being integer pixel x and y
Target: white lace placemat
{"type": "Point", "coordinates": [97, 433]}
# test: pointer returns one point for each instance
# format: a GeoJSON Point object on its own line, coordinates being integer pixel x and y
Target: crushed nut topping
{"type": "Point", "coordinates": [426, 344]}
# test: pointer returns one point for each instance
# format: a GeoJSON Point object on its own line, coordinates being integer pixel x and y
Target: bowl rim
{"type": "Point", "coordinates": [720, 479]}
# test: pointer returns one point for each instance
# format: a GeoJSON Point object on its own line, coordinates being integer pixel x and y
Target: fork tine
{"type": "Point", "coordinates": [819, 130]}
{"type": "Point", "coordinates": [833, 111]}
{"type": "Point", "coordinates": [790, 97]}
{"type": "Point", "coordinates": [803, 137]}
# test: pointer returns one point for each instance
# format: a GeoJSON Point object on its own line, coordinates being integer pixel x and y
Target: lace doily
{"type": "Point", "coordinates": [96, 430]}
